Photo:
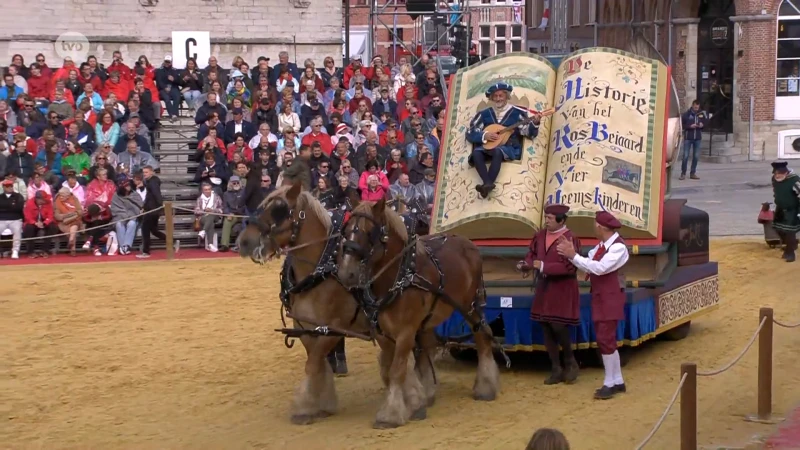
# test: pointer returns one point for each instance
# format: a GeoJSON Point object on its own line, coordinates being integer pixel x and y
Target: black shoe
{"type": "Point", "coordinates": [619, 388]}
{"type": "Point", "coordinates": [571, 372]}
{"type": "Point", "coordinates": [479, 188]}
{"type": "Point", "coordinates": [224, 248]}
{"type": "Point", "coordinates": [489, 188]}
{"type": "Point", "coordinates": [785, 255]}
{"type": "Point", "coordinates": [341, 368]}
{"type": "Point", "coordinates": [604, 393]}
{"type": "Point", "coordinates": [790, 257]}
{"type": "Point", "coordinates": [556, 376]}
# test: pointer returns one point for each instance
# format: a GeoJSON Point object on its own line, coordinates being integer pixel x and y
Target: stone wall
{"type": "Point", "coordinates": [250, 28]}
{"type": "Point", "coordinates": [765, 137]}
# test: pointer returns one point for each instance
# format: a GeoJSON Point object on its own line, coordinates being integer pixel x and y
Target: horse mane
{"type": "Point", "coordinates": [305, 201]}
{"type": "Point", "coordinates": [392, 219]}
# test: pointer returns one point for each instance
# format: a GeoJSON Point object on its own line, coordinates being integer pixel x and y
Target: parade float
{"type": "Point", "coordinates": [609, 146]}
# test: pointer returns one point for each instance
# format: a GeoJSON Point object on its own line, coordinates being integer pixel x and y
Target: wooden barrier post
{"type": "Point", "coordinates": [765, 365]}
{"type": "Point", "coordinates": [689, 407]}
{"type": "Point", "coordinates": [169, 228]}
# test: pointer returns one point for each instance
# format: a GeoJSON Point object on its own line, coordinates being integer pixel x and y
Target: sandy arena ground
{"type": "Point", "coordinates": [182, 355]}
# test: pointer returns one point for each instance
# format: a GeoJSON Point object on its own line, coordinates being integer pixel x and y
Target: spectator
{"type": "Point", "coordinates": [341, 154]}
{"type": "Point", "coordinates": [239, 146]}
{"type": "Point", "coordinates": [11, 214]}
{"type": "Point", "coordinates": [323, 171]}
{"type": "Point", "coordinates": [99, 231]}
{"type": "Point", "coordinates": [148, 187]}
{"type": "Point", "coordinates": [353, 68]}
{"type": "Point", "coordinates": [433, 139]}
{"type": "Point", "coordinates": [100, 192]}
{"type": "Point", "coordinates": [119, 66]}
{"type": "Point", "coordinates": [347, 170]}
{"type": "Point", "coordinates": [10, 91]}
{"type": "Point", "coordinates": [125, 206]}
{"type": "Point", "coordinates": [316, 156]}
{"type": "Point", "coordinates": [331, 88]}
{"type": "Point", "coordinates": [237, 158]}
{"type": "Point", "coordinates": [414, 147]}
{"type": "Point", "coordinates": [106, 159]}
{"type": "Point", "coordinates": [85, 141]}
{"type": "Point", "coordinates": [402, 189]}
{"type": "Point", "coordinates": [213, 67]}
{"type": "Point", "coordinates": [8, 114]}
{"type": "Point", "coordinates": [238, 103]}
{"type": "Point", "coordinates": [283, 62]}
{"type": "Point", "coordinates": [310, 76]}
{"type": "Point", "coordinates": [68, 215]}
{"type": "Point", "coordinates": [133, 160]}
{"type": "Point", "coordinates": [384, 82]}
{"type": "Point", "coordinates": [373, 190]}
{"type": "Point", "coordinates": [372, 167]}
{"type": "Point", "coordinates": [38, 84]}
{"type": "Point", "coordinates": [370, 155]}
{"type": "Point", "coordinates": [262, 70]}
{"type": "Point", "coordinates": [20, 161]}
{"type": "Point", "coordinates": [168, 83]}
{"type": "Point", "coordinates": [106, 130]}
{"type": "Point", "coordinates": [238, 90]}
{"type": "Point", "coordinates": [288, 118]}
{"type": "Point", "coordinates": [77, 161]}
{"type": "Point", "coordinates": [316, 135]}
{"type": "Point", "coordinates": [313, 109]}
{"type": "Point", "coordinates": [258, 185]}
{"type": "Point", "coordinates": [118, 86]}
{"type": "Point", "coordinates": [192, 85]}
{"type": "Point", "coordinates": [548, 439]}
{"type": "Point", "coordinates": [264, 130]}
{"type": "Point", "coordinates": [38, 218]}
{"type": "Point", "coordinates": [287, 80]}
{"type": "Point", "coordinates": [426, 189]}
{"type": "Point", "coordinates": [208, 204]}
{"type": "Point", "coordinates": [60, 107]}
{"type": "Point", "coordinates": [213, 123]}
{"type": "Point", "coordinates": [266, 114]}
{"type": "Point", "coordinates": [287, 97]}
{"type": "Point", "coordinates": [238, 125]}
{"type": "Point", "coordinates": [19, 185]}
{"type": "Point", "coordinates": [343, 192]}
{"type": "Point", "coordinates": [209, 169]}
{"type": "Point", "coordinates": [417, 171]}
{"type": "Point", "coordinates": [384, 104]}
{"type": "Point", "coordinates": [395, 166]}
{"type": "Point", "coordinates": [135, 120]}
{"type": "Point", "coordinates": [131, 134]}
{"type": "Point", "coordinates": [95, 101]}
{"type": "Point", "coordinates": [268, 160]}
{"type": "Point", "coordinates": [329, 71]}
{"type": "Point", "coordinates": [210, 143]}
{"type": "Point", "coordinates": [324, 192]}
{"type": "Point", "coordinates": [37, 184]}
{"type": "Point", "coordinates": [288, 146]}
{"type": "Point", "coordinates": [376, 71]}
{"type": "Point", "coordinates": [405, 78]}
{"type": "Point", "coordinates": [391, 127]}
{"type": "Point", "coordinates": [87, 76]}
{"type": "Point", "coordinates": [75, 186]}
{"type": "Point", "coordinates": [233, 204]}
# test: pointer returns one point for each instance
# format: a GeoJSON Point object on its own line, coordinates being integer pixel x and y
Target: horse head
{"type": "Point", "coordinates": [364, 244]}
{"type": "Point", "coordinates": [278, 223]}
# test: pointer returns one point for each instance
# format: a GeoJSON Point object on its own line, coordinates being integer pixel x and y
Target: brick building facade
{"type": "Point", "coordinates": [250, 28]}
{"type": "Point", "coordinates": [723, 52]}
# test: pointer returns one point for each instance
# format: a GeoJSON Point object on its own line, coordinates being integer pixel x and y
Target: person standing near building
{"type": "Point", "coordinates": [786, 189]}
{"type": "Point", "coordinates": [556, 305]}
{"type": "Point", "coordinates": [693, 122]}
{"type": "Point", "coordinates": [603, 267]}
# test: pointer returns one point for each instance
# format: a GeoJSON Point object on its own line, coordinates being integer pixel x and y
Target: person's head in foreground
{"type": "Point", "coordinates": [548, 439]}
{"type": "Point", "coordinates": [780, 169]}
{"type": "Point", "coordinates": [605, 225]}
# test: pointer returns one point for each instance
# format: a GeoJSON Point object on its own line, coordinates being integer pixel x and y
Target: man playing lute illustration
{"type": "Point", "coordinates": [497, 132]}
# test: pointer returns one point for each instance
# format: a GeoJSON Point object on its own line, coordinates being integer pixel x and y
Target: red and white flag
{"type": "Point", "coordinates": [545, 15]}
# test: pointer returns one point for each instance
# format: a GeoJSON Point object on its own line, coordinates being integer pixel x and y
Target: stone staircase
{"type": "Point", "coordinates": [721, 148]}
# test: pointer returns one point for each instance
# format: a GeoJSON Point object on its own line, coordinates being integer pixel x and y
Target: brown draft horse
{"type": "Point", "coordinates": [438, 274]}
{"type": "Point", "coordinates": [291, 217]}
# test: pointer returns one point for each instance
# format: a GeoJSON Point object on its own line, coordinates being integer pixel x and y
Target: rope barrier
{"type": "Point", "coordinates": [660, 421]}
{"type": "Point", "coordinates": [784, 325]}
{"type": "Point", "coordinates": [93, 228]}
{"type": "Point", "coordinates": [236, 216]}
{"type": "Point", "coordinates": [739, 357]}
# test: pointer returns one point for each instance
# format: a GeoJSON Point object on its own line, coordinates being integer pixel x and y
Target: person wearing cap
{"type": "Point", "coordinates": [232, 205]}
{"type": "Point", "coordinates": [556, 304]}
{"type": "Point", "coordinates": [786, 191]}
{"type": "Point", "coordinates": [39, 218]}
{"type": "Point", "coordinates": [238, 126]}
{"type": "Point", "coordinates": [262, 69]}
{"type": "Point", "coordinates": [355, 67]}
{"type": "Point", "coordinates": [603, 267]}
{"type": "Point", "coordinates": [426, 189]}
{"type": "Point", "coordinates": [168, 84]}
{"type": "Point", "coordinates": [12, 206]}
{"type": "Point", "coordinates": [503, 113]}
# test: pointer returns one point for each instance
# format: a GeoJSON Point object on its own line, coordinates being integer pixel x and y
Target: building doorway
{"type": "Point", "coordinates": [715, 41]}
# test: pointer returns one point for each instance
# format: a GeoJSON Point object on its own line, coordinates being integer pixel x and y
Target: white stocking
{"type": "Point", "coordinates": [617, 369]}
{"type": "Point", "coordinates": [608, 367]}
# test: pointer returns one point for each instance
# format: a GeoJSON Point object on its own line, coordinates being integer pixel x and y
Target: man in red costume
{"type": "Point", "coordinates": [603, 268]}
{"type": "Point", "coordinates": [556, 304]}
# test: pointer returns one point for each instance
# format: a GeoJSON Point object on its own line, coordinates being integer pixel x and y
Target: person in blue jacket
{"type": "Point", "coordinates": [502, 113]}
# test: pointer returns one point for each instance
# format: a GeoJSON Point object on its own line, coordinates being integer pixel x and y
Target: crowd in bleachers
{"type": "Point", "coordinates": [77, 158]}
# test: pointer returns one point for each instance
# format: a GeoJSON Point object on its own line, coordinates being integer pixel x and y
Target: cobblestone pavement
{"type": "Point", "coordinates": [732, 195]}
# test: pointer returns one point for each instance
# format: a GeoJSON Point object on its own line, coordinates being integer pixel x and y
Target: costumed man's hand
{"type": "Point", "coordinates": [522, 267]}
{"type": "Point", "coordinates": [566, 249]}
{"type": "Point", "coordinates": [537, 265]}
{"type": "Point", "coordinates": [536, 118]}
{"type": "Point", "coordinates": [491, 137]}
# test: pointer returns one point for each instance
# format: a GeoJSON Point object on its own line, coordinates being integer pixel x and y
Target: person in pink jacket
{"type": "Point", "coordinates": [374, 191]}
{"type": "Point", "coordinates": [373, 168]}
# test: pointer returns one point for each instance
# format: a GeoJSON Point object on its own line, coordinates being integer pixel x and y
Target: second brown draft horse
{"type": "Point", "coordinates": [409, 285]}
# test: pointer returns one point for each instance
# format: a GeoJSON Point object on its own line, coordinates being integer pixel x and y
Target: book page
{"type": "Point", "coordinates": [607, 143]}
{"type": "Point", "coordinates": [514, 208]}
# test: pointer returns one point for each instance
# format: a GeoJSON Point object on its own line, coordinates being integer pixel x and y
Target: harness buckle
{"type": "Point", "coordinates": [322, 330]}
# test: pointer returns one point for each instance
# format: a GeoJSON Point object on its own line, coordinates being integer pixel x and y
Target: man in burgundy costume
{"type": "Point", "coordinates": [603, 266]}
{"type": "Point", "coordinates": [556, 304]}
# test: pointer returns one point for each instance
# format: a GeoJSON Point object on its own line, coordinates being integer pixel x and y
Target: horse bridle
{"type": "Point", "coordinates": [272, 231]}
{"type": "Point", "coordinates": [377, 235]}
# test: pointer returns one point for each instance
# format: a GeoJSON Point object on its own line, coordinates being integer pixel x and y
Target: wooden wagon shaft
{"type": "Point", "coordinates": [334, 329]}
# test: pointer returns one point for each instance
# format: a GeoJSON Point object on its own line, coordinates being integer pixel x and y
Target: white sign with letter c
{"type": "Point", "coordinates": [190, 44]}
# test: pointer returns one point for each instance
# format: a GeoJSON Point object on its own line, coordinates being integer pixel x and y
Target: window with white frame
{"type": "Point", "coordinates": [486, 2]}
{"type": "Point", "coordinates": [576, 13]}
{"type": "Point", "coordinates": [500, 31]}
{"type": "Point", "coordinates": [500, 47]}
{"type": "Point", "coordinates": [516, 31]}
{"type": "Point", "coordinates": [516, 46]}
{"type": "Point", "coordinates": [592, 11]}
{"type": "Point", "coordinates": [485, 15]}
{"type": "Point", "coordinates": [486, 49]}
{"type": "Point", "coordinates": [485, 32]}
{"type": "Point", "coordinates": [787, 82]}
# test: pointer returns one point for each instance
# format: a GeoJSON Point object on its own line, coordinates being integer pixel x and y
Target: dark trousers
{"type": "Point", "coordinates": [605, 332]}
{"type": "Point", "coordinates": [555, 335]}
{"type": "Point", "coordinates": [172, 99]}
{"type": "Point", "coordinates": [479, 157]}
{"type": "Point", "coordinates": [30, 231]}
{"type": "Point", "coordinates": [337, 352]}
{"type": "Point", "coordinates": [788, 238]}
{"type": "Point", "coordinates": [150, 227]}
{"type": "Point", "coordinates": [96, 235]}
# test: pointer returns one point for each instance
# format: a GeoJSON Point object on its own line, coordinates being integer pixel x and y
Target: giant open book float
{"type": "Point", "coordinates": [607, 147]}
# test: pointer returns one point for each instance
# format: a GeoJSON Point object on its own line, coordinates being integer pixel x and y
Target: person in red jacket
{"type": "Point", "coordinates": [376, 70]}
{"type": "Point", "coordinates": [118, 85]}
{"type": "Point", "coordinates": [317, 135]}
{"type": "Point", "coordinates": [87, 76]}
{"type": "Point", "coordinates": [60, 87]}
{"type": "Point", "coordinates": [62, 73]}
{"type": "Point", "coordinates": [351, 69]}
{"type": "Point", "coordinates": [118, 66]}
{"type": "Point", "coordinates": [38, 215]}
{"type": "Point", "coordinates": [38, 84]}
